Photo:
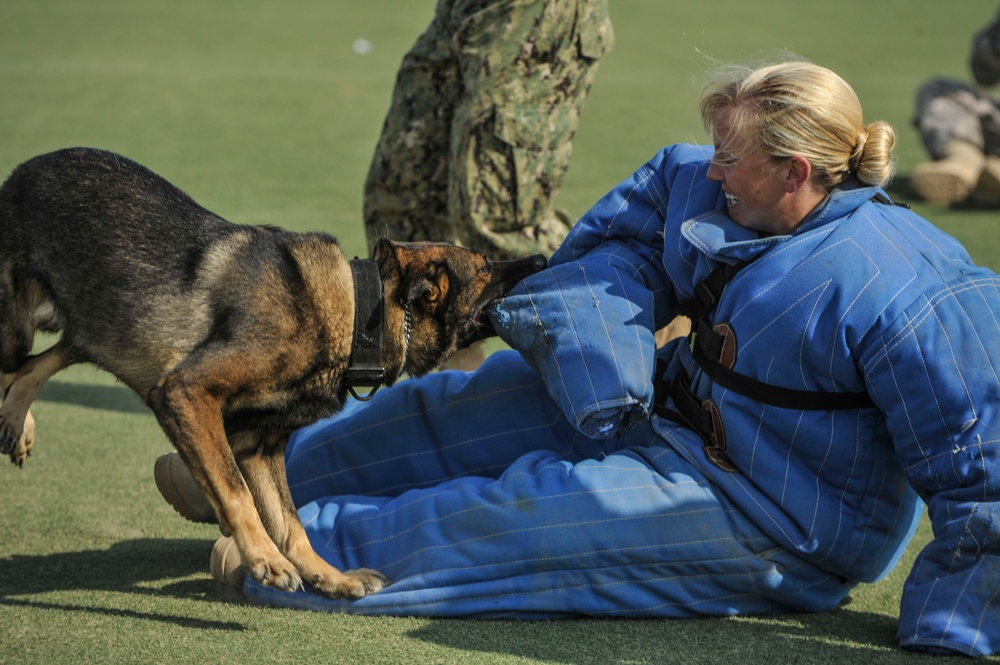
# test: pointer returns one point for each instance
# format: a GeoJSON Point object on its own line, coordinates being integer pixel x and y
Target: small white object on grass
{"type": "Point", "coordinates": [362, 46]}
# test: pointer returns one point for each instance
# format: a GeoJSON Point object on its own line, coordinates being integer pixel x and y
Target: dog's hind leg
{"type": "Point", "coordinates": [17, 426]}
{"type": "Point", "coordinates": [263, 465]}
{"type": "Point", "coordinates": [27, 440]}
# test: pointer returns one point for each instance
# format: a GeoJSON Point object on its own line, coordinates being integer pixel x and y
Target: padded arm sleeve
{"type": "Point", "coordinates": [587, 323]}
{"type": "Point", "coordinates": [937, 382]}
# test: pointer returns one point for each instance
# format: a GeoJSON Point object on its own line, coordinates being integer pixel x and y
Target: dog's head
{"type": "Point", "coordinates": [446, 289]}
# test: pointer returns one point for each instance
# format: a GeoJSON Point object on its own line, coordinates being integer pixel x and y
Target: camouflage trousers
{"type": "Point", "coordinates": [949, 109]}
{"type": "Point", "coordinates": [478, 137]}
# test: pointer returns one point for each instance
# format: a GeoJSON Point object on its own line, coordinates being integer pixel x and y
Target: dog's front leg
{"type": "Point", "coordinates": [191, 416]}
{"type": "Point", "coordinates": [261, 459]}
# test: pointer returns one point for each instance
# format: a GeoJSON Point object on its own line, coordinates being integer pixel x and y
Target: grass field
{"type": "Point", "coordinates": [264, 113]}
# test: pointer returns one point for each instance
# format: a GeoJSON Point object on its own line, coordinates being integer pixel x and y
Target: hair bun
{"type": "Point", "coordinates": [862, 138]}
{"type": "Point", "coordinates": [873, 155]}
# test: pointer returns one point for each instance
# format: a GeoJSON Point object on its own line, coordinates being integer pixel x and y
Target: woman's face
{"type": "Point", "coordinates": [756, 184]}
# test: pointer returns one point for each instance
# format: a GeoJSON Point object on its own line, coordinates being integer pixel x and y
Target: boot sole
{"type": "Point", "coordinates": [166, 483]}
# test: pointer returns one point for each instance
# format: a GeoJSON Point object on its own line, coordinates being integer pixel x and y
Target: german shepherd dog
{"type": "Point", "coordinates": [233, 335]}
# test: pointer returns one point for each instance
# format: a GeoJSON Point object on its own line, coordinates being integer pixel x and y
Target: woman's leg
{"type": "Point", "coordinates": [428, 430]}
{"type": "Point", "coordinates": [634, 533]}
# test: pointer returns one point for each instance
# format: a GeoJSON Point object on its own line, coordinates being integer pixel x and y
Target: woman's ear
{"type": "Point", "coordinates": [798, 174]}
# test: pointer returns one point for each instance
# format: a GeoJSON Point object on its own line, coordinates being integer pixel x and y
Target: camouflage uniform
{"type": "Point", "coordinates": [949, 109]}
{"type": "Point", "coordinates": [477, 139]}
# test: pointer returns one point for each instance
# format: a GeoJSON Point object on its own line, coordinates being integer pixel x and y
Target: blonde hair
{"type": "Point", "coordinates": [798, 108]}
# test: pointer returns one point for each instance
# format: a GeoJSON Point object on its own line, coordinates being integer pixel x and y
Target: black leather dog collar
{"type": "Point", "coordinates": [365, 369]}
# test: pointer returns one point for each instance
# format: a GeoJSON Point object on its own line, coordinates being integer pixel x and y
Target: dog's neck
{"type": "Point", "coordinates": [366, 368]}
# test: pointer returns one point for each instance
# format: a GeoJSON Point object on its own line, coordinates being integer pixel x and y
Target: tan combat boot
{"type": "Point", "coordinates": [953, 178]}
{"type": "Point", "coordinates": [987, 192]}
{"type": "Point", "coordinates": [179, 488]}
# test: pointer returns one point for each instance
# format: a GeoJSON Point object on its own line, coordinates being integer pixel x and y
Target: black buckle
{"type": "Point", "coordinates": [368, 377]}
{"type": "Point", "coordinates": [706, 297]}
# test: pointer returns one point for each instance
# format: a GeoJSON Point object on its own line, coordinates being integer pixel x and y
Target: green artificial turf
{"type": "Point", "coordinates": [264, 114]}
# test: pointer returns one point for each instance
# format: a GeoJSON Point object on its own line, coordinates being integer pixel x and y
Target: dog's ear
{"type": "Point", "coordinates": [383, 252]}
{"type": "Point", "coordinates": [390, 257]}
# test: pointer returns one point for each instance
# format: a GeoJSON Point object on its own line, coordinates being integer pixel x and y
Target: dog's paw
{"type": "Point", "coordinates": [371, 581]}
{"type": "Point", "coordinates": [353, 584]}
{"type": "Point", "coordinates": [22, 450]}
{"type": "Point", "coordinates": [17, 438]}
{"type": "Point", "coordinates": [277, 573]}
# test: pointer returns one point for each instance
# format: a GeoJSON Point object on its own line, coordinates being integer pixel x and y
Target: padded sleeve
{"type": "Point", "coordinates": [937, 382]}
{"type": "Point", "coordinates": [587, 323]}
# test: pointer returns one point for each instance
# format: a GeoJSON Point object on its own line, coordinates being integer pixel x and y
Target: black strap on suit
{"type": "Point", "coordinates": [708, 346]}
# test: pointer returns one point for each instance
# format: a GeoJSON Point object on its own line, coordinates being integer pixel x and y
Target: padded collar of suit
{"type": "Point", "coordinates": [721, 239]}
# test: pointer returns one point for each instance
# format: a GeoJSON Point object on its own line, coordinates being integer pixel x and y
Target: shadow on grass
{"type": "Point", "coordinates": [135, 567]}
{"type": "Point", "coordinates": [838, 636]}
{"type": "Point", "coordinates": [111, 398]}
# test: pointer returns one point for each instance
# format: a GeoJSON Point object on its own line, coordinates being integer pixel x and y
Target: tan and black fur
{"type": "Point", "coordinates": [233, 335]}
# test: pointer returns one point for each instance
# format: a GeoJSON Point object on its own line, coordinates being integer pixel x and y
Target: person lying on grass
{"type": "Point", "coordinates": [842, 374]}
